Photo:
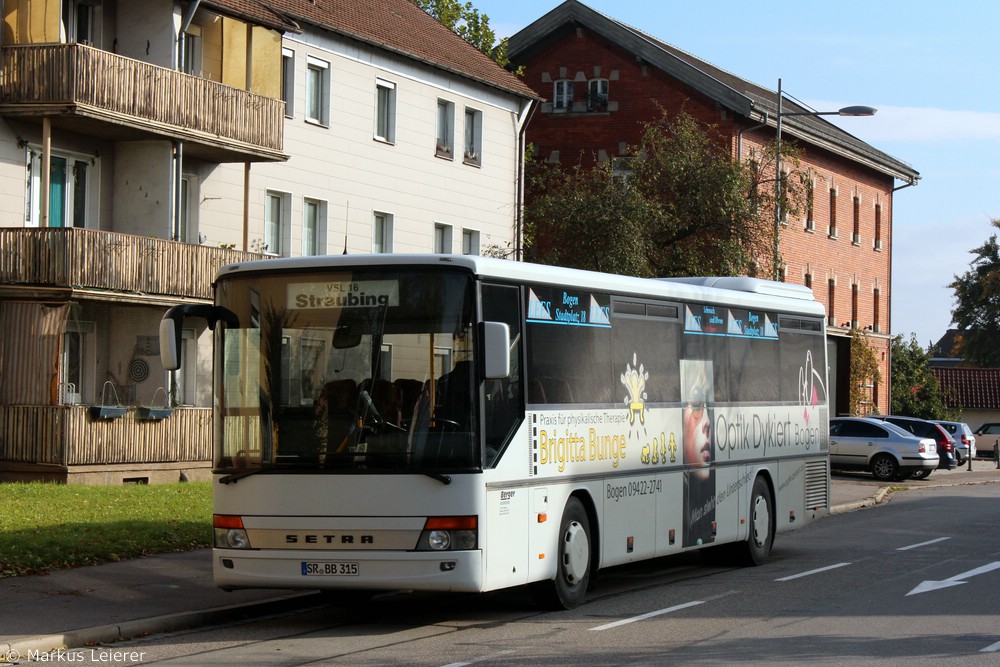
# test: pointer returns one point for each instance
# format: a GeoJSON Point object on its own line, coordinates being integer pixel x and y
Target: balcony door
{"type": "Point", "coordinates": [71, 179]}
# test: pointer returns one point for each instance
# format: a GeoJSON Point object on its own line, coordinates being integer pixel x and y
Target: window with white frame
{"type": "Point", "coordinates": [277, 234]}
{"type": "Point", "coordinates": [381, 232]}
{"type": "Point", "coordinates": [187, 214]}
{"type": "Point", "coordinates": [385, 110]}
{"type": "Point", "coordinates": [470, 242]}
{"type": "Point", "coordinates": [317, 91]}
{"type": "Point", "coordinates": [597, 95]}
{"type": "Point", "coordinates": [77, 363]}
{"type": "Point", "coordinates": [79, 21]}
{"type": "Point", "coordinates": [562, 96]}
{"type": "Point", "coordinates": [192, 52]}
{"type": "Point", "coordinates": [73, 181]}
{"type": "Point", "coordinates": [473, 150]}
{"type": "Point", "coordinates": [313, 227]}
{"type": "Point", "coordinates": [288, 81]}
{"type": "Point", "coordinates": [445, 129]}
{"type": "Point", "coordinates": [442, 238]}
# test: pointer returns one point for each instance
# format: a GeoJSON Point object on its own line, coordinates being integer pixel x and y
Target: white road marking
{"type": "Point", "coordinates": [811, 572]}
{"type": "Point", "coordinates": [955, 580]}
{"type": "Point", "coordinates": [923, 544]}
{"type": "Point", "coordinates": [651, 614]}
{"type": "Point", "coordinates": [992, 648]}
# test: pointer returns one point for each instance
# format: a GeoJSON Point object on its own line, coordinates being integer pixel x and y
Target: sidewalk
{"type": "Point", "coordinates": [103, 603]}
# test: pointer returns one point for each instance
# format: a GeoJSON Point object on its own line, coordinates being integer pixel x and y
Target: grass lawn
{"type": "Point", "coordinates": [52, 526]}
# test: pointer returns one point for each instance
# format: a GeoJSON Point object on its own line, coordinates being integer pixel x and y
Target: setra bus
{"type": "Point", "coordinates": [460, 423]}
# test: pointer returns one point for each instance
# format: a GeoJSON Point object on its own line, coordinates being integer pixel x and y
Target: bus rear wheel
{"type": "Point", "coordinates": [573, 572]}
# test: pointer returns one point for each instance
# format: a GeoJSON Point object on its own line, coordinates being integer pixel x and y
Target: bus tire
{"type": "Point", "coordinates": [573, 570]}
{"type": "Point", "coordinates": [758, 544]}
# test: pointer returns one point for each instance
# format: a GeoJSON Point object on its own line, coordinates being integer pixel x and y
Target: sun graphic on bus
{"type": "Point", "coordinates": [634, 379]}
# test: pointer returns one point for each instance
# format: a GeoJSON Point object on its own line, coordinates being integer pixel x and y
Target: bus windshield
{"type": "Point", "coordinates": [348, 372]}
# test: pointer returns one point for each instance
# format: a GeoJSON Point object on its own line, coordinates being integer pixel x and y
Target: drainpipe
{"type": "Point", "coordinates": [522, 124]}
{"type": "Point", "coordinates": [911, 183]}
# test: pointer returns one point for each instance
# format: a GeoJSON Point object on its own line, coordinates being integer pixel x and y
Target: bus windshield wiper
{"type": "Point", "coordinates": [441, 477]}
{"type": "Point", "coordinates": [234, 477]}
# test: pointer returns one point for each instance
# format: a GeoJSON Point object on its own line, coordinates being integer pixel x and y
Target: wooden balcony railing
{"type": "Point", "coordinates": [78, 80]}
{"type": "Point", "coordinates": [87, 258]}
{"type": "Point", "coordinates": [68, 436]}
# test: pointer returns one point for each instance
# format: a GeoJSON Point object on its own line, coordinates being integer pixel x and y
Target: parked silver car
{"type": "Point", "coordinates": [965, 439]}
{"type": "Point", "coordinates": [889, 452]}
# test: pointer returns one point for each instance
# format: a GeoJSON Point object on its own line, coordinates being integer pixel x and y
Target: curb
{"type": "Point", "coordinates": [22, 647]}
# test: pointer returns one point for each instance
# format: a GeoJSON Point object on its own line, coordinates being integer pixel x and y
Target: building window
{"type": "Point", "coordinates": [385, 110]}
{"type": "Point", "coordinates": [856, 237]}
{"type": "Point", "coordinates": [562, 97]}
{"type": "Point", "coordinates": [831, 293]}
{"type": "Point", "coordinates": [187, 215]}
{"type": "Point", "coordinates": [313, 227]}
{"type": "Point", "coordinates": [810, 198]}
{"type": "Point", "coordinates": [473, 150]}
{"type": "Point", "coordinates": [288, 81]}
{"type": "Point", "coordinates": [470, 242]}
{"type": "Point", "coordinates": [77, 363]}
{"type": "Point", "coordinates": [833, 213]}
{"type": "Point", "coordinates": [445, 129]}
{"type": "Point", "coordinates": [78, 23]}
{"type": "Point", "coordinates": [192, 52]}
{"type": "Point", "coordinates": [71, 179]}
{"type": "Point", "coordinates": [878, 226]}
{"type": "Point", "coordinates": [876, 310]}
{"type": "Point", "coordinates": [442, 239]}
{"type": "Point", "coordinates": [277, 234]}
{"type": "Point", "coordinates": [854, 305]}
{"type": "Point", "coordinates": [381, 232]}
{"type": "Point", "coordinates": [318, 91]}
{"type": "Point", "coordinates": [597, 95]}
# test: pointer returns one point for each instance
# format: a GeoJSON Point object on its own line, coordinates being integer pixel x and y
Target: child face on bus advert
{"type": "Point", "coordinates": [697, 434]}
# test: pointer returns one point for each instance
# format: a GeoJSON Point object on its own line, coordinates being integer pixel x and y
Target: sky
{"type": "Point", "coordinates": [929, 69]}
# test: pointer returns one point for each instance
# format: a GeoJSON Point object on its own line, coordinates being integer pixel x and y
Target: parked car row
{"type": "Point", "coordinates": [892, 447]}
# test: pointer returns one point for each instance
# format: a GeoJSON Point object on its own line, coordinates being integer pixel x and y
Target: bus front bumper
{"type": "Point", "coordinates": [459, 571]}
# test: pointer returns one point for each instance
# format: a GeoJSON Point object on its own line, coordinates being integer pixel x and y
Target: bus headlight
{"type": "Point", "coordinates": [230, 533]}
{"type": "Point", "coordinates": [457, 533]}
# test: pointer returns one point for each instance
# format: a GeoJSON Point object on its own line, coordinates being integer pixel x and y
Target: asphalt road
{"type": "Point", "coordinates": [912, 581]}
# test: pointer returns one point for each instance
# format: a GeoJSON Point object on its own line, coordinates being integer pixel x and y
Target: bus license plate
{"type": "Point", "coordinates": [330, 568]}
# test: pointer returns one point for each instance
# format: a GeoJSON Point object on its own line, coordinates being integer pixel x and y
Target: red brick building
{"type": "Point", "coordinates": [601, 80]}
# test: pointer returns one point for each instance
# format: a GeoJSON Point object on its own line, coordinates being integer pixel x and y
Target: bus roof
{"type": "Point", "coordinates": [734, 290]}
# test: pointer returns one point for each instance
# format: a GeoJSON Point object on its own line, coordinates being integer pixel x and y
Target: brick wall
{"type": "Point", "coordinates": [859, 269]}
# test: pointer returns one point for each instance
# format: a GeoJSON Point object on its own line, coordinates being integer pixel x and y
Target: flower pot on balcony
{"type": "Point", "coordinates": [107, 411]}
{"type": "Point", "coordinates": [152, 414]}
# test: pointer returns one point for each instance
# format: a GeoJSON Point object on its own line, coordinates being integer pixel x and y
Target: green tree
{"type": "Point", "coordinates": [915, 390]}
{"type": "Point", "coordinates": [977, 309]}
{"type": "Point", "coordinates": [466, 22]}
{"type": "Point", "coordinates": [684, 208]}
{"type": "Point", "coordinates": [864, 374]}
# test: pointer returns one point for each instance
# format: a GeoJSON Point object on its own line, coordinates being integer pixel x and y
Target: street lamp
{"type": "Point", "coordinates": [856, 110]}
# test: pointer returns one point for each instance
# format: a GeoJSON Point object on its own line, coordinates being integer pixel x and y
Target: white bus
{"type": "Point", "coordinates": [460, 423]}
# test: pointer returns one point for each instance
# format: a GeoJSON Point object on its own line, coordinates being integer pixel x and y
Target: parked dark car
{"type": "Point", "coordinates": [887, 451]}
{"type": "Point", "coordinates": [927, 429]}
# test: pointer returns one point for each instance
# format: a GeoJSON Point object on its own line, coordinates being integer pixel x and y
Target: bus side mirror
{"type": "Point", "coordinates": [496, 348]}
{"type": "Point", "coordinates": [170, 328]}
{"type": "Point", "coordinates": [170, 344]}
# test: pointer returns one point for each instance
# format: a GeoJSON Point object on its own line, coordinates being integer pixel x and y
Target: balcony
{"type": "Point", "coordinates": [79, 260]}
{"type": "Point", "coordinates": [90, 91]}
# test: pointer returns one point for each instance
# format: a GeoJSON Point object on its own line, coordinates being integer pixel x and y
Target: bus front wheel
{"type": "Point", "coordinates": [573, 572]}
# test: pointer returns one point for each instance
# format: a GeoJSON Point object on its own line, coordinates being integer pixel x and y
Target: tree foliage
{"type": "Point", "coordinates": [864, 374]}
{"type": "Point", "coordinates": [685, 207]}
{"type": "Point", "coordinates": [977, 309]}
{"type": "Point", "coordinates": [916, 392]}
{"type": "Point", "coordinates": [466, 22]}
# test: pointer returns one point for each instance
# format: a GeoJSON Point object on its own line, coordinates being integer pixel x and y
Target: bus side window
{"type": "Point", "coordinates": [503, 404]}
